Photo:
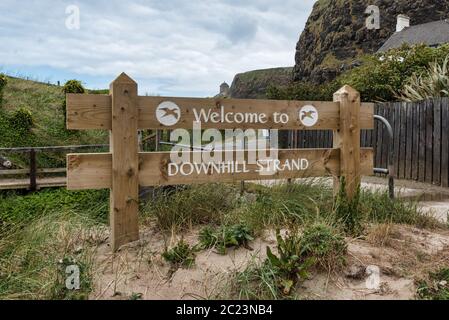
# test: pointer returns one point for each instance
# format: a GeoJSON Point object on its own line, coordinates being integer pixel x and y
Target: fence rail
{"type": "Point", "coordinates": [33, 171]}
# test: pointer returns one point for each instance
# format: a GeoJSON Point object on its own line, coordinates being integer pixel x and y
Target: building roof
{"type": "Point", "coordinates": [432, 34]}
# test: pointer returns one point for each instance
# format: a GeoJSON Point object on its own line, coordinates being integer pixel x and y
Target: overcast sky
{"type": "Point", "coordinates": [171, 47]}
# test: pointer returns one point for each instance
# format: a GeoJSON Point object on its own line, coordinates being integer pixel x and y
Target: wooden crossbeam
{"type": "Point", "coordinates": [90, 111]}
{"type": "Point", "coordinates": [94, 171]}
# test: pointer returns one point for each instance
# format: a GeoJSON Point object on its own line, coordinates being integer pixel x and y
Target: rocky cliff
{"type": "Point", "coordinates": [254, 84]}
{"type": "Point", "coordinates": [336, 34]}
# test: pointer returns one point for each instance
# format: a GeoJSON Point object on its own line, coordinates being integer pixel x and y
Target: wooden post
{"type": "Point", "coordinates": [124, 199]}
{"type": "Point", "coordinates": [347, 139]}
{"type": "Point", "coordinates": [33, 170]}
{"type": "Point", "coordinates": [157, 140]}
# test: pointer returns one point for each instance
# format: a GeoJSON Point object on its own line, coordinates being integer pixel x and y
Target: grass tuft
{"type": "Point", "coordinates": [181, 255]}
{"type": "Point", "coordinates": [225, 237]}
{"type": "Point", "coordinates": [436, 287]}
{"type": "Point", "coordinates": [183, 207]}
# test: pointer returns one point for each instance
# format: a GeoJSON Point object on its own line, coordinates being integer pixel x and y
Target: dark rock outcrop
{"type": "Point", "coordinates": [336, 35]}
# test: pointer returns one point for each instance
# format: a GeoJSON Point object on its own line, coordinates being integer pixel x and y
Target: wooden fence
{"type": "Point", "coordinates": [124, 168]}
{"type": "Point", "coordinates": [420, 142]}
{"type": "Point", "coordinates": [33, 177]}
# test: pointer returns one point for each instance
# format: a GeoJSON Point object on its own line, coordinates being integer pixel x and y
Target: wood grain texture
{"type": "Point", "coordinates": [94, 170]}
{"type": "Point", "coordinates": [445, 142]}
{"type": "Point", "coordinates": [87, 111]}
{"type": "Point", "coordinates": [429, 142]}
{"type": "Point", "coordinates": [437, 141]}
{"type": "Point", "coordinates": [347, 139]}
{"type": "Point", "coordinates": [125, 163]}
{"type": "Point", "coordinates": [409, 141]}
{"type": "Point", "coordinates": [422, 142]}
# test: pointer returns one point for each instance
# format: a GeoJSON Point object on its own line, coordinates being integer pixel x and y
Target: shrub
{"type": "Point", "coordinates": [433, 83]}
{"type": "Point", "coordinates": [382, 76]}
{"type": "Point", "coordinates": [225, 237]}
{"type": "Point", "coordinates": [319, 246]}
{"type": "Point", "coordinates": [326, 246]}
{"type": "Point", "coordinates": [303, 91]}
{"type": "Point", "coordinates": [290, 266]}
{"type": "Point", "coordinates": [180, 255]}
{"type": "Point", "coordinates": [21, 120]}
{"type": "Point", "coordinates": [276, 276]}
{"type": "Point", "coordinates": [73, 86]}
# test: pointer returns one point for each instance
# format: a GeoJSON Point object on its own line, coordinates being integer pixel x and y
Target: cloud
{"type": "Point", "coordinates": [172, 47]}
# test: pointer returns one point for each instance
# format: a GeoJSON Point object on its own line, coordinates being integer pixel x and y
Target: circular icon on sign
{"type": "Point", "coordinates": [168, 113]}
{"type": "Point", "coordinates": [308, 115]}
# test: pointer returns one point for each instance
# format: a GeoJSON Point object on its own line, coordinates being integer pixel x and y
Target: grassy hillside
{"type": "Point", "coordinates": [44, 102]}
{"type": "Point", "coordinates": [254, 84]}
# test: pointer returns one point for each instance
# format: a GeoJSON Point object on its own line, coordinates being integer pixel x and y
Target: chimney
{"type": "Point", "coordinates": [403, 22]}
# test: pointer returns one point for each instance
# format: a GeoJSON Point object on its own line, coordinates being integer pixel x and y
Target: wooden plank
{"type": "Point", "coordinates": [33, 169]}
{"type": "Point", "coordinates": [125, 162]}
{"type": "Point", "coordinates": [347, 139]}
{"type": "Point", "coordinates": [437, 141]}
{"type": "Point", "coordinates": [409, 141]}
{"type": "Point", "coordinates": [429, 141]}
{"type": "Point", "coordinates": [415, 140]}
{"type": "Point", "coordinates": [445, 142]}
{"type": "Point", "coordinates": [403, 140]}
{"type": "Point", "coordinates": [52, 170]}
{"type": "Point", "coordinates": [422, 142]}
{"type": "Point", "coordinates": [396, 139]}
{"type": "Point", "coordinates": [27, 171]}
{"type": "Point", "coordinates": [13, 184]}
{"type": "Point", "coordinates": [88, 111]}
{"type": "Point", "coordinates": [93, 171]}
{"type": "Point", "coordinates": [14, 172]}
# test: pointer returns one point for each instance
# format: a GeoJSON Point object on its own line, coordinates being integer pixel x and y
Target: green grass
{"type": "Point", "coordinates": [258, 281]}
{"type": "Point", "coordinates": [281, 206]}
{"type": "Point", "coordinates": [15, 208]}
{"type": "Point", "coordinates": [298, 252]}
{"type": "Point", "coordinates": [183, 207]}
{"type": "Point", "coordinates": [181, 255]}
{"type": "Point", "coordinates": [225, 237]}
{"type": "Point", "coordinates": [436, 287]}
{"type": "Point", "coordinates": [286, 204]}
{"type": "Point", "coordinates": [44, 102]}
{"type": "Point", "coordinates": [41, 235]}
{"type": "Point", "coordinates": [378, 207]}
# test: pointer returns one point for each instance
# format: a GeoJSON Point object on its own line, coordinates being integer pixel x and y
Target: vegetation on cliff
{"type": "Point", "coordinates": [336, 36]}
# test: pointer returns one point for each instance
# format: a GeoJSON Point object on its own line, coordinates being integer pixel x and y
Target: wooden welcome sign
{"type": "Point", "coordinates": [124, 168]}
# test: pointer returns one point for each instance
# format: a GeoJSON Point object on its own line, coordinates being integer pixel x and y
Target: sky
{"type": "Point", "coordinates": [170, 47]}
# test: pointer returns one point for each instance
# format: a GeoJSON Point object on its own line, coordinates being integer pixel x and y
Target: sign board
{"type": "Point", "coordinates": [124, 168]}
